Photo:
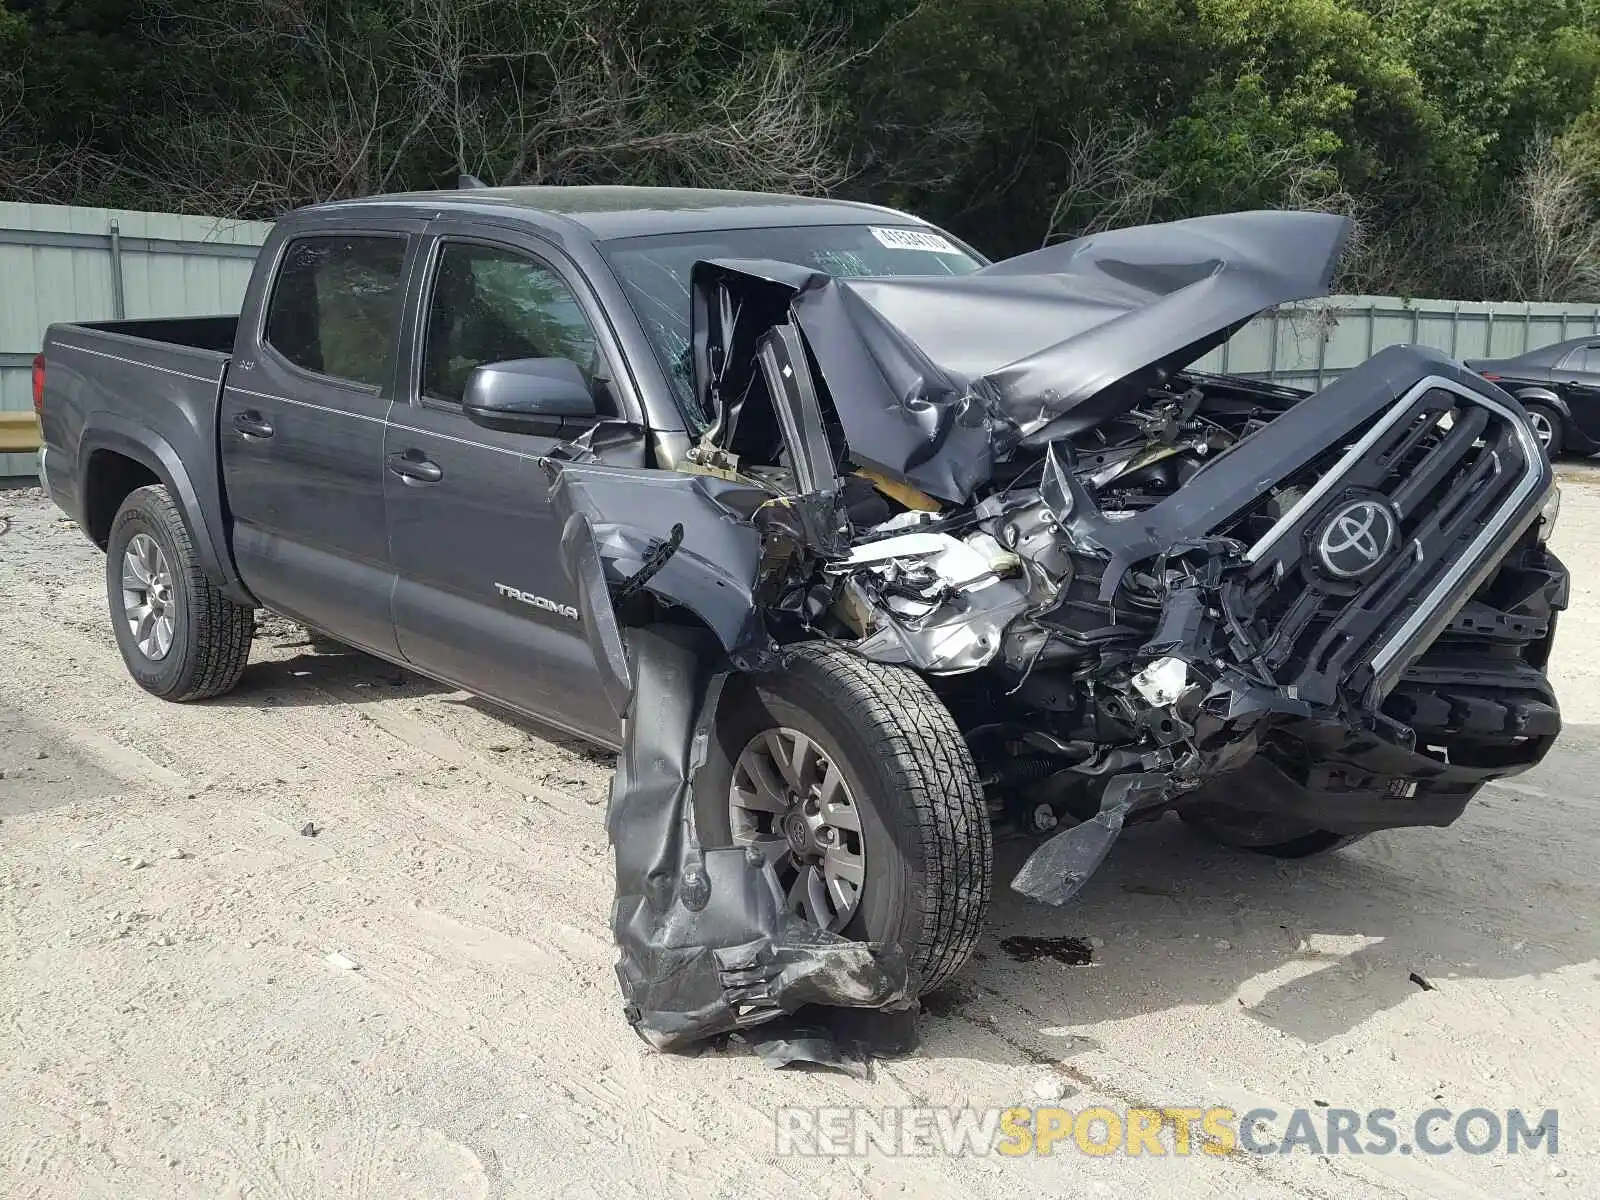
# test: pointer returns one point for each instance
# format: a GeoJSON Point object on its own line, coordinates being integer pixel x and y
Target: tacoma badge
{"type": "Point", "coordinates": [529, 598]}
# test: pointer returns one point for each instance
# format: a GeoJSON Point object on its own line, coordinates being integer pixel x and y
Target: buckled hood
{"type": "Point", "coordinates": [934, 379]}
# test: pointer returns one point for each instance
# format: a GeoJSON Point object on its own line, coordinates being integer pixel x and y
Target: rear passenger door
{"type": "Point", "coordinates": [1578, 376]}
{"type": "Point", "coordinates": [302, 427]}
{"type": "Point", "coordinates": [482, 599]}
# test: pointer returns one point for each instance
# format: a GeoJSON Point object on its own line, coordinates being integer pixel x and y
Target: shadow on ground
{"type": "Point", "coordinates": [324, 674]}
{"type": "Point", "coordinates": [1313, 947]}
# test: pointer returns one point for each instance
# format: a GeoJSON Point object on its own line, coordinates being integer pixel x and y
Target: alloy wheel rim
{"type": "Point", "coordinates": [790, 801]}
{"type": "Point", "coordinates": [1542, 429]}
{"type": "Point", "coordinates": [148, 602]}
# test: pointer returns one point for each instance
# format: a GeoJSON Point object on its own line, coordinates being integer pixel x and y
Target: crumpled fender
{"type": "Point", "coordinates": [581, 554]}
{"type": "Point", "coordinates": [628, 512]}
{"type": "Point", "coordinates": [707, 944]}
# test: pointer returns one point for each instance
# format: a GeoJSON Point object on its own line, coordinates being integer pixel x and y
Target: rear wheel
{"type": "Point", "coordinates": [180, 637]}
{"type": "Point", "coordinates": [855, 783]}
{"type": "Point", "coordinates": [1546, 424]}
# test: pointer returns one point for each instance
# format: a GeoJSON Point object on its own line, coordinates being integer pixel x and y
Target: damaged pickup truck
{"type": "Point", "coordinates": [960, 544]}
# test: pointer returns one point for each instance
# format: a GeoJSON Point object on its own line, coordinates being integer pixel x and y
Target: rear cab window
{"type": "Point", "coordinates": [335, 305]}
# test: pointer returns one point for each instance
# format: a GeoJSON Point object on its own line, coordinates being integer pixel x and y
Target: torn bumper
{"type": "Point", "coordinates": [1318, 598]}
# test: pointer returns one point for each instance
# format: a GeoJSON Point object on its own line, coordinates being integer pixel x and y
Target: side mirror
{"type": "Point", "coordinates": [547, 397]}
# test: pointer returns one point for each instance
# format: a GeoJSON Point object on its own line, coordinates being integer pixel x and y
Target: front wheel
{"type": "Point", "coordinates": [854, 781]}
{"type": "Point", "coordinates": [180, 637]}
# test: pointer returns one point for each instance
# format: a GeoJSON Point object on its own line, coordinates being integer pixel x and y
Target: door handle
{"type": "Point", "coordinates": [252, 424]}
{"type": "Point", "coordinates": [413, 468]}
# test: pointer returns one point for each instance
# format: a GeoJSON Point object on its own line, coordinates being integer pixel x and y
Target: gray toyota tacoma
{"type": "Point", "coordinates": [974, 542]}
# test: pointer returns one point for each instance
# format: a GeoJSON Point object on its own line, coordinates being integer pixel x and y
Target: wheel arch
{"type": "Point", "coordinates": [115, 457]}
{"type": "Point", "coordinates": [1545, 396]}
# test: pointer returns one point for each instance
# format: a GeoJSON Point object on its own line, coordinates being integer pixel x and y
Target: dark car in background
{"type": "Point", "coordinates": [1559, 386]}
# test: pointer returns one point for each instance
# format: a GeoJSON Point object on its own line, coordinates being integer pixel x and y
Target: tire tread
{"type": "Point", "coordinates": [896, 709]}
{"type": "Point", "coordinates": [220, 631]}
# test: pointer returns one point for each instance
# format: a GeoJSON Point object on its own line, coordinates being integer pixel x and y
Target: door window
{"type": "Point", "coordinates": [493, 305]}
{"type": "Point", "coordinates": [1582, 359]}
{"type": "Point", "coordinates": [336, 304]}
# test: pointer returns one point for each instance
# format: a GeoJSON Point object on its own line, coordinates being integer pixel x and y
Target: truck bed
{"type": "Point", "coordinates": [195, 333]}
{"type": "Point", "coordinates": [144, 394]}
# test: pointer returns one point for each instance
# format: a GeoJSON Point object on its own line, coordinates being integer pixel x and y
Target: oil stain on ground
{"type": "Point", "coordinates": [1073, 951]}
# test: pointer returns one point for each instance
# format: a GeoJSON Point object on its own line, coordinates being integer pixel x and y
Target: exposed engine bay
{"type": "Point", "coordinates": [1136, 587]}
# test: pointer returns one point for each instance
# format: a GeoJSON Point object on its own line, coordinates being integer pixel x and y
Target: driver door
{"type": "Point", "coordinates": [481, 598]}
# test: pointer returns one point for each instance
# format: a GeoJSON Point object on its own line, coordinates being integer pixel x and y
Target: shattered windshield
{"type": "Point", "coordinates": [654, 272]}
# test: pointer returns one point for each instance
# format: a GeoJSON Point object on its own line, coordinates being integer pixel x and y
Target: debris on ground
{"type": "Point", "coordinates": [1049, 1088]}
{"type": "Point", "coordinates": [344, 963]}
{"type": "Point", "coordinates": [1150, 889]}
{"type": "Point", "coordinates": [1420, 982]}
{"type": "Point", "coordinates": [1073, 951]}
{"type": "Point", "coordinates": [310, 829]}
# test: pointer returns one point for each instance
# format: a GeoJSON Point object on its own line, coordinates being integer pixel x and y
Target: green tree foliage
{"type": "Point", "coordinates": [1454, 131]}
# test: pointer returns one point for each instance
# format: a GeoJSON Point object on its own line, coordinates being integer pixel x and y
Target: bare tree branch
{"type": "Point", "coordinates": [1103, 186]}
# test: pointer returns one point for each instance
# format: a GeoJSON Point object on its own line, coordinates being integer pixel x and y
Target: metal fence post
{"type": "Point", "coordinates": [119, 305]}
{"type": "Point", "coordinates": [1322, 353]}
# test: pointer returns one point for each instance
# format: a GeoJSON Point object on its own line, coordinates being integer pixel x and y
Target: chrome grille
{"type": "Point", "coordinates": [1461, 475]}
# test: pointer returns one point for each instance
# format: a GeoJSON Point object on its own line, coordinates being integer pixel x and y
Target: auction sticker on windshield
{"type": "Point", "coordinates": [914, 239]}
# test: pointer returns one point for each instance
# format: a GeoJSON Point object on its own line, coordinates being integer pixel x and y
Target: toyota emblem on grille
{"type": "Point", "coordinates": [1356, 539]}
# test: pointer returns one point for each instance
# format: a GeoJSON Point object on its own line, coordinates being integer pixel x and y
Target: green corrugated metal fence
{"type": "Point", "coordinates": [1310, 344]}
{"type": "Point", "coordinates": [95, 264]}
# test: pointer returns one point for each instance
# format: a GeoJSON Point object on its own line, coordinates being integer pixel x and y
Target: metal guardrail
{"type": "Point", "coordinates": [19, 432]}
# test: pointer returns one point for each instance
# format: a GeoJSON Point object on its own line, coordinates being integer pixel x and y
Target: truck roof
{"type": "Point", "coordinates": [612, 212]}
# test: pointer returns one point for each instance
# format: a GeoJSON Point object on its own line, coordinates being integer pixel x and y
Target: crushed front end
{"type": "Point", "coordinates": [1307, 627]}
{"type": "Point", "coordinates": [1339, 625]}
{"type": "Point", "coordinates": [1291, 618]}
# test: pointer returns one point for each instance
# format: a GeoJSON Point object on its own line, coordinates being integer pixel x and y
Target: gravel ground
{"type": "Point", "coordinates": [171, 1023]}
